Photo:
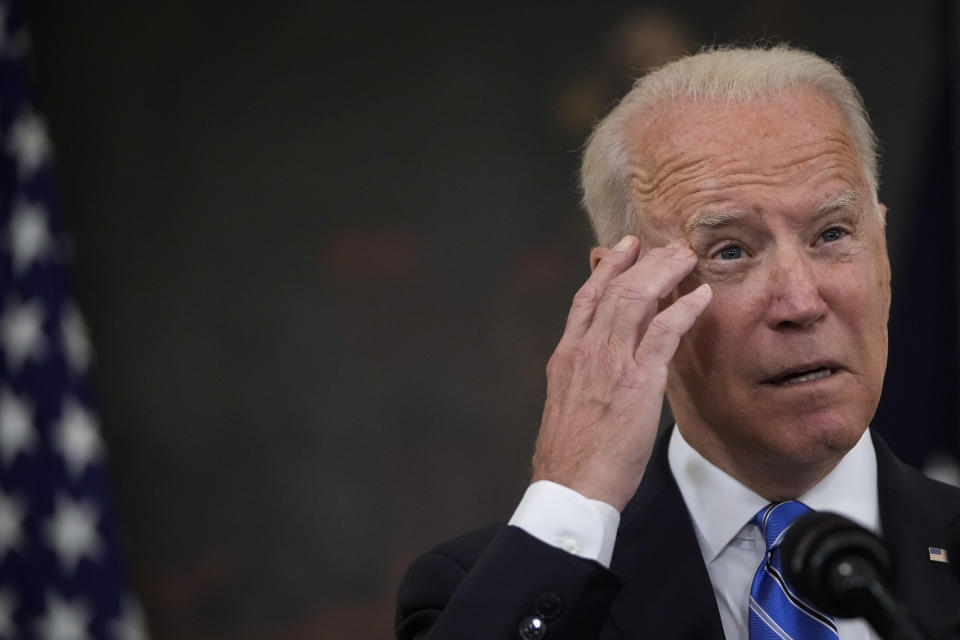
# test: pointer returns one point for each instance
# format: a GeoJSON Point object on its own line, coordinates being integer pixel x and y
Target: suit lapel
{"type": "Point", "coordinates": [917, 513]}
{"type": "Point", "coordinates": [667, 592]}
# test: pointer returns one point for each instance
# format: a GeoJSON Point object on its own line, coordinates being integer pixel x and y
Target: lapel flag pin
{"type": "Point", "coordinates": [937, 554]}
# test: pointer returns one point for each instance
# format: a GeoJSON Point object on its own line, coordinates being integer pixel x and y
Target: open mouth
{"type": "Point", "coordinates": [804, 376]}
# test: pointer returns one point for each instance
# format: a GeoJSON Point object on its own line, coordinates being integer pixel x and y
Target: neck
{"type": "Point", "coordinates": [770, 474]}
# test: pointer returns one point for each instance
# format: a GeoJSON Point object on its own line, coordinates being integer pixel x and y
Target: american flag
{"type": "Point", "coordinates": [938, 554]}
{"type": "Point", "coordinates": [61, 576]}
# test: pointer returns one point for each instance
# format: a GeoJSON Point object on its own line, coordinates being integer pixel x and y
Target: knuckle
{"type": "Point", "coordinates": [579, 353]}
{"type": "Point", "coordinates": [567, 355]}
{"type": "Point", "coordinates": [554, 364]}
{"type": "Point", "coordinates": [660, 325]}
{"type": "Point", "coordinates": [588, 294]}
{"type": "Point", "coordinates": [657, 253]}
{"type": "Point", "coordinates": [615, 343]}
{"type": "Point", "coordinates": [623, 282]}
{"type": "Point", "coordinates": [634, 292]}
{"type": "Point", "coordinates": [634, 378]}
{"type": "Point", "coordinates": [654, 377]}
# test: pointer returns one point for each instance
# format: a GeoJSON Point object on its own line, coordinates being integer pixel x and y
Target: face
{"type": "Point", "coordinates": [785, 367]}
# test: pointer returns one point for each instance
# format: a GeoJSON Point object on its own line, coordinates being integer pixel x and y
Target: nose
{"type": "Point", "coordinates": [794, 300]}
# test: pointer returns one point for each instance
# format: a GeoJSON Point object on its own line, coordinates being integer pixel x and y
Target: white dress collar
{"type": "Point", "coordinates": [720, 506]}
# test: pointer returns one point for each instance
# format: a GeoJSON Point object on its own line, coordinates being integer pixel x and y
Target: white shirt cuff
{"type": "Point", "coordinates": [568, 520]}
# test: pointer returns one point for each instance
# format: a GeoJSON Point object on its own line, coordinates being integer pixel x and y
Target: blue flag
{"type": "Point", "coordinates": [61, 576]}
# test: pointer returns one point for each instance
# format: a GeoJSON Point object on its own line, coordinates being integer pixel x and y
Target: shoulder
{"type": "Point", "coordinates": [897, 479]}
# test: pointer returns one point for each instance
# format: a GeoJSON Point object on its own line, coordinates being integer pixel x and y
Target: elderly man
{"type": "Point", "coordinates": [742, 270]}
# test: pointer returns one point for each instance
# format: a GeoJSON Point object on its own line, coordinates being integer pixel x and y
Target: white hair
{"type": "Point", "coordinates": [730, 74]}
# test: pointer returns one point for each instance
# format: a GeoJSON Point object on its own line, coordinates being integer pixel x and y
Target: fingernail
{"type": "Point", "coordinates": [675, 244]}
{"type": "Point", "coordinates": [704, 290]}
{"type": "Point", "coordinates": [624, 244]}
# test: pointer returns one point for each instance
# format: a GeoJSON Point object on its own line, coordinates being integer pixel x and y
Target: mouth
{"type": "Point", "coordinates": [804, 374]}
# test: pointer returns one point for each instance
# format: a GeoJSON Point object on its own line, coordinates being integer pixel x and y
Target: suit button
{"type": "Point", "coordinates": [532, 628]}
{"type": "Point", "coordinates": [548, 605]}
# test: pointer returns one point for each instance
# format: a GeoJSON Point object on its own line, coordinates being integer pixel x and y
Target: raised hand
{"type": "Point", "coordinates": [607, 377]}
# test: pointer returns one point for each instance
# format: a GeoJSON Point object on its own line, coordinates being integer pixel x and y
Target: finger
{"type": "Point", "coordinates": [632, 298]}
{"type": "Point", "coordinates": [613, 263]}
{"type": "Point", "coordinates": [663, 335]}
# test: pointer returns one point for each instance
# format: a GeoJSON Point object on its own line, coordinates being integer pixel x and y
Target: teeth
{"type": "Point", "coordinates": [813, 375]}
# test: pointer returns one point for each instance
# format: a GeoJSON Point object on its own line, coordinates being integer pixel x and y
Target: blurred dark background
{"type": "Point", "coordinates": [325, 250]}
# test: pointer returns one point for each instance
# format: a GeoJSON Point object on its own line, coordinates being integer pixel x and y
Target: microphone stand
{"type": "Point", "coordinates": [844, 570]}
{"type": "Point", "coordinates": [860, 581]}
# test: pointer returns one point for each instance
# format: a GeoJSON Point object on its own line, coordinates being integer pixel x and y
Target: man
{"type": "Point", "coordinates": [742, 270]}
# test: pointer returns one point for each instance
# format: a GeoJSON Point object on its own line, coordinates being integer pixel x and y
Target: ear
{"type": "Point", "coordinates": [596, 255]}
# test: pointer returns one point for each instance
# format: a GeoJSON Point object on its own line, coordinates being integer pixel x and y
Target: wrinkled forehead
{"type": "Point", "coordinates": [689, 151]}
{"type": "Point", "coordinates": [791, 113]}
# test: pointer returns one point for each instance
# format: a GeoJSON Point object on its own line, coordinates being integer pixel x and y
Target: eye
{"type": "Point", "coordinates": [833, 234]}
{"type": "Point", "coordinates": [732, 252]}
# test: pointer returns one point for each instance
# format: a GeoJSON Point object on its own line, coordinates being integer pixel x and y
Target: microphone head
{"type": "Point", "coordinates": [830, 560]}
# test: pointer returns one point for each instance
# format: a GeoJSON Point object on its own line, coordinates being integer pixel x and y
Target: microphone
{"type": "Point", "coordinates": [846, 571]}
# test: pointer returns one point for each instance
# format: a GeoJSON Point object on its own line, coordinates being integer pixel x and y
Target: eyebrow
{"type": "Point", "coordinates": [712, 220]}
{"type": "Point", "coordinates": [847, 199]}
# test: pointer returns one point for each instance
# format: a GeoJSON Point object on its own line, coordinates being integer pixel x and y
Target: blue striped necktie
{"type": "Point", "coordinates": [776, 612]}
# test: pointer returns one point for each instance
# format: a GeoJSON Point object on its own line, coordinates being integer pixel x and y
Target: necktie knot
{"type": "Point", "coordinates": [775, 518]}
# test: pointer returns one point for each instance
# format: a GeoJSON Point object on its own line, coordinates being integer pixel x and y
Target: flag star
{"type": "Point", "coordinates": [30, 238]}
{"type": "Point", "coordinates": [76, 342]}
{"type": "Point", "coordinates": [131, 625]}
{"type": "Point", "coordinates": [8, 605]}
{"type": "Point", "coordinates": [12, 513]}
{"type": "Point", "coordinates": [17, 433]}
{"type": "Point", "coordinates": [72, 532]}
{"type": "Point", "coordinates": [21, 333]}
{"type": "Point", "coordinates": [29, 143]}
{"type": "Point", "coordinates": [64, 620]}
{"type": "Point", "coordinates": [77, 437]}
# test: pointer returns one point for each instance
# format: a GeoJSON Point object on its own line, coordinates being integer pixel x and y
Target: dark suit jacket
{"type": "Point", "coordinates": [484, 584]}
